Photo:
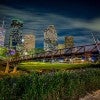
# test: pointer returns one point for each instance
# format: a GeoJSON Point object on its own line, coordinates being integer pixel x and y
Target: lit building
{"type": "Point", "coordinates": [69, 41]}
{"type": "Point", "coordinates": [61, 46]}
{"type": "Point", "coordinates": [2, 35]}
{"type": "Point", "coordinates": [15, 39]}
{"type": "Point", "coordinates": [29, 42]}
{"type": "Point", "coordinates": [50, 38]}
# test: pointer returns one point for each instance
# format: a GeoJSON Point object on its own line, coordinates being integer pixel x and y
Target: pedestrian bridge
{"type": "Point", "coordinates": [86, 51]}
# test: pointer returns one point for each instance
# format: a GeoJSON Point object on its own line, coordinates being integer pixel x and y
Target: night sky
{"type": "Point", "coordinates": [77, 18]}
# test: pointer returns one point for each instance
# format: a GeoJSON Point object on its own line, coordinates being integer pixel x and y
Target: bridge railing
{"type": "Point", "coordinates": [66, 52]}
{"type": "Point", "coordinates": [69, 51]}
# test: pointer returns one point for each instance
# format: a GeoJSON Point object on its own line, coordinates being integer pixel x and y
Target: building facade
{"type": "Point", "coordinates": [69, 41]}
{"type": "Point", "coordinates": [2, 36]}
{"type": "Point", "coordinates": [29, 42]}
{"type": "Point", "coordinates": [15, 39]}
{"type": "Point", "coordinates": [50, 38]}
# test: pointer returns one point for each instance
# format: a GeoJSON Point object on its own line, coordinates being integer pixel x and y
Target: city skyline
{"type": "Point", "coordinates": [70, 18]}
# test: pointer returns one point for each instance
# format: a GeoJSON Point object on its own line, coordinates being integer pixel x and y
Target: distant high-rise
{"type": "Point", "coordinates": [2, 35]}
{"type": "Point", "coordinates": [69, 41]}
{"type": "Point", "coordinates": [15, 39]}
{"type": "Point", "coordinates": [50, 38]}
{"type": "Point", "coordinates": [29, 42]}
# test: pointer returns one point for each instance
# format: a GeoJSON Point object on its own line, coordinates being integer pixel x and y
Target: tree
{"type": "Point", "coordinates": [39, 50]}
{"type": "Point", "coordinates": [3, 52]}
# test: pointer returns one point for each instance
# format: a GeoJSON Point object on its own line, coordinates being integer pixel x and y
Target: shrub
{"type": "Point", "coordinates": [61, 85]}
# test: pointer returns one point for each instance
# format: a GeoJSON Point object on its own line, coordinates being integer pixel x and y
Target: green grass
{"type": "Point", "coordinates": [62, 85]}
{"type": "Point", "coordinates": [31, 66]}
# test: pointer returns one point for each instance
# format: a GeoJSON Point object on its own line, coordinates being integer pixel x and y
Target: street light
{"type": "Point", "coordinates": [22, 40]}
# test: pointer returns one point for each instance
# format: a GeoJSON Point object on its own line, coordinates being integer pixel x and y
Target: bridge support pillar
{"type": "Point", "coordinates": [7, 67]}
{"type": "Point", "coordinates": [15, 69]}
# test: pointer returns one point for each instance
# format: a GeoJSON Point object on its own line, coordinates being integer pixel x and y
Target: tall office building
{"type": "Point", "coordinates": [15, 39]}
{"type": "Point", "coordinates": [29, 42]}
{"type": "Point", "coordinates": [69, 41]}
{"type": "Point", "coordinates": [2, 35]}
{"type": "Point", "coordinates": [50, 38]}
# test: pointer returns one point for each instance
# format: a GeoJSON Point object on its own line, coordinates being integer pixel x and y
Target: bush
{"type": "Point", "coordinates": [62, 85]}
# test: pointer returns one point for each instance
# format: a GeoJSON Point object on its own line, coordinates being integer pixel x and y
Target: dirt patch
{"type": "Point", "coordinates": [94, 96]}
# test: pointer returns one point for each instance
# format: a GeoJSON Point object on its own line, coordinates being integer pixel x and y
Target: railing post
{"type": "Point", "coordinates": [7, 67]}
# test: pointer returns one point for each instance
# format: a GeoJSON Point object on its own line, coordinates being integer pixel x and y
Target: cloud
{"type": "Point", "coordinates": [93, 25]}
{"type": "Point", "coordinates": [35, 22]}
{"type": "Point", "coordinates": [74, 23]}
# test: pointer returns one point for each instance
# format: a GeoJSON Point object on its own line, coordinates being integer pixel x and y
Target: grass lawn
{"type": "Point", "coordinates": [29, 66]}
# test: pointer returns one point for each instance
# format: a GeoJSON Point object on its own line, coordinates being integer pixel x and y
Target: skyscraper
{"type": "Point", "coordinates": [69, 41]}
{"type": "Point", "coordinates": [15, 39]}
{"type": "Point", "coordinates": [29, 42]}
{"type": "Point", "coordinates": [50, 38]}
{"type": "Point", "coordinates": [2, 35]}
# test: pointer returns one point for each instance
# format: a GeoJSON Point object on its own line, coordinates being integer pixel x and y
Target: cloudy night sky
{"type": "Point", "coordinates": [77, 18]}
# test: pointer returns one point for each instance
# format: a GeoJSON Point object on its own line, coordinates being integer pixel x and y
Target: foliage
{"type": "Point", "coordinates": [31, 51]}
{"type": "Point", "coordinates": [16, 55]}
{"type": "Point", "coordinates": [35, 51]}
{"type": "Point", "coordinates": [3, 51]}
{"type": "Point", "coordinates": [63, 85]}
{"type": "Point", "coordinates": [39, 50]}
